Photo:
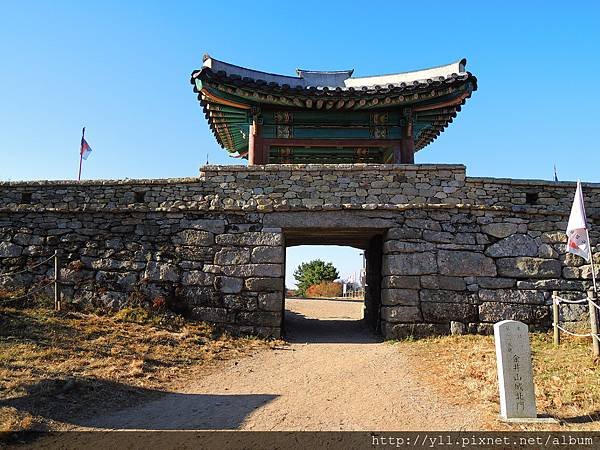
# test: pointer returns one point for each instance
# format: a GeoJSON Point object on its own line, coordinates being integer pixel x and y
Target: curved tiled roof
{"type": "Point", "coordinates": [227, 91]}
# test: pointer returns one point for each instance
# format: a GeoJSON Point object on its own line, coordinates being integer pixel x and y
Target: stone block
{"type": "Point", "coordinates": [231, 256]}
{"type": "Point", "coordinates": [546, 251]}
{"type": "Point", "coordinates": [446, 237]}
{"type": "Point", "coordinates": [554, 237]}
{"type": "Point", "coordinates": [465, 263]}
{"type": "Point", "coordinates": [250, 239]}
{"type": "Point", "coordinates": [526, 267]}
{"type": "Point", "coordinates": [495, 283]}
{"type": "Point", "coordinates": [495, 312]}
{"type": "Point", "coordinates": [530, 297]}
{"type": "Point", "coordinates": [25, 239]}
{"type": "Point", "coordinates": [259, 318]}
{"type": "Point", "coordinates": [570, 272]}
{"type": "Point", "coordinates": [159, 271]}
{"type": "Point", "coordinates": [194, 238]}
{"type": "Point", "coordinates": [552, 285]}
{"type": "Point", "coordinates": [423, 224]}
{"type": "Point", "coordinates": [198, 295]}
{"type": "Point", "coordinates": [111, 299]}
{"type": "Point", "coordinates": [457, 328]}
{"type": "Point", "coordinates": [10, 250]}
{"type": "Point", "coordinates": [404, 233]}
{"type": "Point", "coordinates": [401, 282]}
{"type": "Point", "coordinates": [264, 284]}
{"type": "Point", "coordinates": [443, 282]}
{"type": "Point", "coordinates": [401, 314]}
{"type": "Point", "coordinates": [240, 302]}
{"type": "Point", "coordinates": [215, 226]}
{"type": "Point", "coordinates": [404, 297]}
{"type": "Point", "coordinates": [409, 264]}
{"type": "Point", "coordinates": [273, 255]}
{"type": "Point", "coordinates": [499, 230]}
{"type": "Point", "coordinates": [272, 301]}
{"type": "Point", "coordinates": [514, 245]}
{"type": "Point", "coordinates": [229, 285]}
{"type": "Point", "coordinates": [440, 296]}
{"type": "Point", "coordinates": [413, 330]}
{"type": "Point", "coordinates": [209, 314]}
{"type": "Point", "coordinates": [253, 270]}
{"type": "Point", "coordinates": [575, 312]}
{"type": "Point", "coordinates": [445, 312]}
{"type": "Point", "coordinates": [198, 278]}
{"type": "Point", "coordinates": [189, 253]}
{"type": "Point", "coordinates": [406, 247]}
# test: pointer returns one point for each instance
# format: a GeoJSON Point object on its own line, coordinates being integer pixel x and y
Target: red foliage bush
{"type": "Point", "coordinates": [324, 289]}
{"type": "Point", "coordinates": [159, 302]}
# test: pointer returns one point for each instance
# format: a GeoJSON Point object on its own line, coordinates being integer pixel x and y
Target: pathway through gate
{"type": "Point", "coordinates": [334, 375]}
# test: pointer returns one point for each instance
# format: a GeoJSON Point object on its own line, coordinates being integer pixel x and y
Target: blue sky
{"type": "Point", "coordinates": [122, 69]}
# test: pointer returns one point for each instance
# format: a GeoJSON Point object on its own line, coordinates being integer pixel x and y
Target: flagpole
{"type": "Point", "coordinates": [81, 154]}
{"type": "Point", "coordinates": [592, 262]}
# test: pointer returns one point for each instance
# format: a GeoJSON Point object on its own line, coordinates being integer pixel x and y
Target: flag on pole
{"type": "Point", "coordinates": [577, 234]}
{"type": "Point", "coordinates": [85, 149]}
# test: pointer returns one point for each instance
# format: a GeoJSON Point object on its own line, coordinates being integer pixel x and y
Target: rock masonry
{"type": "Point", "coordinates": [458, 253]}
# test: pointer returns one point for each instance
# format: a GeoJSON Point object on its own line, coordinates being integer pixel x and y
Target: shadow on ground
{"type": "Point", "coordinates": [586, 418]}
{"type": "Point", "coordinates": [90, 402]}
{"type": "Point", "coordinates": [299, 328]}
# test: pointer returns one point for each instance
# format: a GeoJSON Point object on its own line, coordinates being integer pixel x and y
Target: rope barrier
{"type": "Point", "coordinates": [27, 269]}
{"type": "Point", "coordinates": [564, 300]}
{"type": "Point", "coordinates": [560, 300]}
{"type": "Point", "coordinates": [35, 291]}
{"type": "Point", "coordinates": [577, 334]}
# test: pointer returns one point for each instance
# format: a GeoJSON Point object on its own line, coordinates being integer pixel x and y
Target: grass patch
{"type": "Point", "coordinates": [60, 364]}
{"type": "Point", "coordinates": [567, 379]}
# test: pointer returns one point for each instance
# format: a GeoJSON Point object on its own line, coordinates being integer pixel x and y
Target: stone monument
{"type": "Point", "coordinates": [515, 373]}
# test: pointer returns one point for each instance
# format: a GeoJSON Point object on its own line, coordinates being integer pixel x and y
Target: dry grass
{"type": "Point", "coordinates": [56, 365]}
{"type": "Point", "coordinates": [567, 379]}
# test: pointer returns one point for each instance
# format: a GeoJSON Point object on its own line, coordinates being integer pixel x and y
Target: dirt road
{"type": "Point", "coordinates": [334, 375]}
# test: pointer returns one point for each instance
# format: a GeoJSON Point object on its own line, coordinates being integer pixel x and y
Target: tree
{"type": "Point", "coordinates": [314, 272]}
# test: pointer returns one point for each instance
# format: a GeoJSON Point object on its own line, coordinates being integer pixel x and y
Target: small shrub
{"type": "Point", "coordinates": [324, 289]}
{"type": "Point", "coordinates": [159, 302]}
{"type": "Point", "coordinates": [134, 315]}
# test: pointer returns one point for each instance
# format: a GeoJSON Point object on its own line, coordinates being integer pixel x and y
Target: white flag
{"type": "Point", "coordinates": [577, 234]}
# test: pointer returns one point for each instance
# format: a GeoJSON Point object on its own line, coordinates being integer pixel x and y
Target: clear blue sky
{"type": "Point", "coordinates": [122, 69]}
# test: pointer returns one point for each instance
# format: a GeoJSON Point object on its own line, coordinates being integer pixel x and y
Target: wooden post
{"type": "Point", "coordinates": [407, 149]}
{"type": "Point", "coordinates": [397, 149]}
{"type": "Point", "coordinates": [57, 305]}
{"type": "Point", "coordinates": [594, 323]}
{"type": "Point", "coordinates": [256, 151]}
{"type": "Point", "coordinates": [252, 144]}
{"type": "Point", "coordinates": [555, 319]}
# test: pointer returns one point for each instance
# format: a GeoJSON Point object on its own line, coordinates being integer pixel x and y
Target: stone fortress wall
{"type": "Point", "coordinates": [451, 249]}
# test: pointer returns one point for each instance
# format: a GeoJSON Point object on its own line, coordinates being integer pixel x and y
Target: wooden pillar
{"type": "Point", "coordinates": [252, 143]}
{"type": "Point", "coordinates": [257, 154]}
{"type": "Point", "coordinates": [397, 153]}
{"type": "Point", "coordinates": [407, 145]}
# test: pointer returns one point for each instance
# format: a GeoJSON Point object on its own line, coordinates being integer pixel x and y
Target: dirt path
{"type": "Point", "coordinates": [335, 375]}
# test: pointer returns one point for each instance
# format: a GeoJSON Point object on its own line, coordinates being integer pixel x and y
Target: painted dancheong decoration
{"type": "Point", "coordinates": [329, 117]}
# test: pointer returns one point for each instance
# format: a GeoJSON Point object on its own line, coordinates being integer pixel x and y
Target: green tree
{"type": "Point", "coordinates": [314, 272]}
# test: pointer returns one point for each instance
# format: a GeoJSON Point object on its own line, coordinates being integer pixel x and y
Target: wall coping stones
{"type": "Point", "coordinates": [110, 182]}
{"type": "Point", "coordinates": [332, 167]}
{"type": "Point", "coordinates": [530, 182]}
{"type": "Point", "coordinates": [300, 187]}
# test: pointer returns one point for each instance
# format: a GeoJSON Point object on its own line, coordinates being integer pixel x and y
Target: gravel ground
{"type": "Point", "coordinates": [334, 375]}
